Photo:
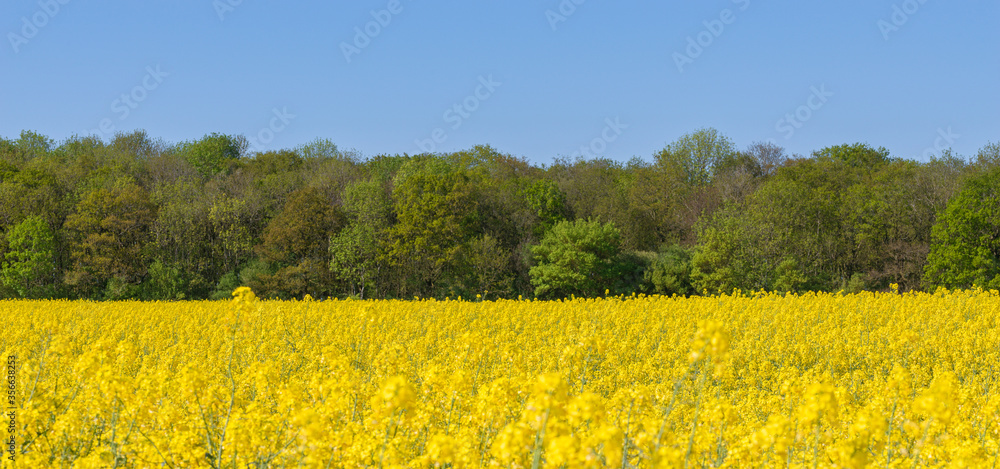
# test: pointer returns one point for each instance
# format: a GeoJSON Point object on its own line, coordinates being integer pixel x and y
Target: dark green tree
{"type": "Point", "coordinates": [214, 152]}
{"type": "Point", "coordinates": [182, 235]}
{"type": "Point", "coordinates": [297, 242]}
{"type": "Point", "coordinates": [966, 239]}
{"type": "Point", "coordinates": [857, 155]}
{"type": "Point", "coordinates": [28, 266]}
{"type": "Point", "coordinates": [576, 258]}
{"type": "Point", "coordinates": [354, 251]}
{"type": "Point", "coordinates": [490, 274]}
{"type": "Point", "coordinates": [110, 237]}
{"type": "Point", "coordinates": [436, 210]}
{"type": "Point", "coordinates": [670, 272]}
{"type": "Point", "coordinates": [729, 255]}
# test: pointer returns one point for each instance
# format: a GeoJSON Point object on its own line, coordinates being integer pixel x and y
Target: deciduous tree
{"type": "Point", "coordinates": [28, 266]}
{"type": "Point", "coordinates": [109, 232]}
{"type": "Point", "coordinates": [575, 258]}
{"type": "Point", "coordinates": [966, 239]}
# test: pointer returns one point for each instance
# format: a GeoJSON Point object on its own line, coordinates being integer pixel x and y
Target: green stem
{"type": "Point", "coordinates": [536, 459]}
{"type": "Point", "coordinates": [694, 425]}
{"type": "Point", "coordinates": [385, 444]}
{"type": "Point", "coordinates": [888, 434]}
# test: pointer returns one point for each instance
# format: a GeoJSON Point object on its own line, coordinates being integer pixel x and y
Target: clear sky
{"type": "Point", "coordinates": [534, 78]}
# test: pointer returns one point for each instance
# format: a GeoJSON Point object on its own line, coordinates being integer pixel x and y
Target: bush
{"type": "Point", "coordinates": [165, 283]}
{"type": "Point", "coordinates": [224, 289]}
{"type": "Point", "coordinates": [670, 272]}
{"type": "Point", "coordinates": [965, 246]}
{"type": "Point", "coordinates": [575, 258]}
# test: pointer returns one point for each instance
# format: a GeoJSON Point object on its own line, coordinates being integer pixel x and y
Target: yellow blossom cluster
{"type": "Point", "coordinates": [742, 380]}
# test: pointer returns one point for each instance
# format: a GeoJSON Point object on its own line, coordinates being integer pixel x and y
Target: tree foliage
{"type": "Point", "coordinates": [435, 204]}
{"type": "Point", "coordinates": [29, 263]}
{"type": "Point", "coordinates": [355, 250]}
{"type": "Point", "coordinates": [698, 155]}
{"type": "Point", "coordinates": [670, 272]}
{"type": "Point", "coordinates": [136, 217]}
{"type": "Point", "coordinates": [109, 232]}
{"type": "Point", "coordinates": [575, 258]}
{"type": "Point", "coordinates": [965, 250]}
{"type": "Point", "coordinates": [214, 152]}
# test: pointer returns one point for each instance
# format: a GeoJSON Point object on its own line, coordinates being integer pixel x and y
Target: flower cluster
{"type": "Point", "coordinates": [745, 380]}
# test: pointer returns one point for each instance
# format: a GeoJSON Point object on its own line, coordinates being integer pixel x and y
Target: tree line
{"type": "Point", "coordinates": [138, 218]}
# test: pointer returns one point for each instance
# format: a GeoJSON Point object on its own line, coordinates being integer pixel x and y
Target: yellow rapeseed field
{"type": "Point", "coordinates": [744, 380]}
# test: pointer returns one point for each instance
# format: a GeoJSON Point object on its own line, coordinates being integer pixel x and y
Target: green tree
{"type": "Point", "coordinates": [297, 241]}
{"type": "Point", "coordinates": [354, 251]}
{"type": "Point", "coordinates": [136, 144]}
{"type": "Point", "coordinates": [728, 255]}
{"type": "Point", "coordinates": [849, 216]}
{"type": "Point", "coordinates": [214, 152]}
{"type": "Point", "coordinates": [888, 219]}
{"type": "Point", "coordinates": [30, 259]}
{"type": "Point", "coordinates": [590, 187]}
{"type": "Point", "coordinates": [273, 162]}
{"type": "Point", "coordinates": [799, 213]}
{"type": "Point", "coordinates": [857, 155]}
{"type": "Point", "coordinates": [31, 191]}
{"type": "Point", "coordinates": [575, 258]}
{"type": "Point", "coordinates": [988, 157]}
{"type": "Point", "coordinates": [33, 145]}
{"type": "Point", "coordinates": [302, 229]}
{"type": "Point", "coordinates": [965, 250]}
{"type": "Point", "coordinates": [165, 282]}
{"type": "Point", "coordinates": [489, 265]}
{"type": "Point", "coordinates": [182, 234]}
{"type": "Point", "coordinates": [660, 207]}
{"type": "Point", "coordinates": [698, 155]}
{"type": "Point", "coordinates": [320, 148]}
{"type": "Point", "coordinates": [788, 277]}
{"type": "Point", "coordinates": [670, 272]}
{"type": "Point", "coordinates": [547, 202]}
{"type": "Point", "coordinates": [436, 214]}
{"type": "Point", "coordinates": [109, 232]}
{"type": "Point", "coordinates": [354, 258]}
{"type": "Point", "coordinates": [233, 241]}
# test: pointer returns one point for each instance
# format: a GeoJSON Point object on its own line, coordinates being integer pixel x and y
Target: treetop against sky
{"type": "Point", "coordinates": [538, 79]}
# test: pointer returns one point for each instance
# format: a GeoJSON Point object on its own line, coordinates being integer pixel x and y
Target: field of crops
{"type": "Point", "coordinates": [823, 380]}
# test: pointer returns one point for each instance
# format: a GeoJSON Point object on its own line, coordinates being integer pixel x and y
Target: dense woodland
{"type": "Point", "coordinates": [138, 218]}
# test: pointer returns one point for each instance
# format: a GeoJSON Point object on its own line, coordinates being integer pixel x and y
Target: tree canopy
{"type": "Point", "coordinates": [965, 249]}
{"type": "Point", "coordinates": [137, 217]}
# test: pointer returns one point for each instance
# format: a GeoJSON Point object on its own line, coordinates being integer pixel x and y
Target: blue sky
{"type": "Point", "coordinates": [538, 79]}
